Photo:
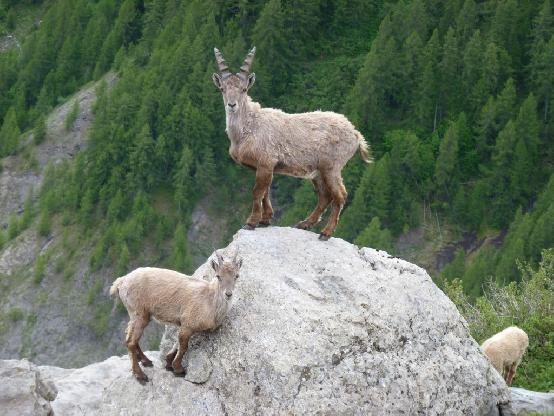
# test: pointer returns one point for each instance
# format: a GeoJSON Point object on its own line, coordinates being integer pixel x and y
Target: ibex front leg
{"type": "Point", "coordinates": [264, 176]}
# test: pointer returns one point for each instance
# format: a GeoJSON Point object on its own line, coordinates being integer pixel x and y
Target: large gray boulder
{"type": "Point", "coordinates": [317, 328]}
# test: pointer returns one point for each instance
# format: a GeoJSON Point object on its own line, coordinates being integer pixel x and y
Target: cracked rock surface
{"type": "Point", "coordinates": [316, 328]}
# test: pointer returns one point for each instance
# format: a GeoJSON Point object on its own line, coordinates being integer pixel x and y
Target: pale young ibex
{"type": "Point", "coordinates": [174, 298]}
{"type": "Point", "coordinates": [313, 145]}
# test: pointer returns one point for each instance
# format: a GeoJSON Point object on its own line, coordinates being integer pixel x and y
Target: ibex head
{"type": "Point", "coordinates": [234, 87]}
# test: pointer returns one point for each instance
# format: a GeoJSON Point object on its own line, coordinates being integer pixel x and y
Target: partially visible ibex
{"type": "Point", "coordinates": [313, 145]}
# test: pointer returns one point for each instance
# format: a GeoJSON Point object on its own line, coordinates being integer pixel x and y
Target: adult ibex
{"type": "Point", "coordinates": [313, 145]}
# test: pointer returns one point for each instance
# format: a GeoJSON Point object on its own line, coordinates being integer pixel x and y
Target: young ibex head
{"type": "Point", "coordinates": [227, 272]}
{"type": "Point", "coordinates": [234, 87]}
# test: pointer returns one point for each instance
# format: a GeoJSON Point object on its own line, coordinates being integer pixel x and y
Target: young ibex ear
{"type": "Point", "coordinates": [215, 265]}
{"type": "Point", "coordinates": [239, 263]}
{"type": "Point", "coordinates": [251, 80]}
{"type": "Point", "coordinates": [217, 80]}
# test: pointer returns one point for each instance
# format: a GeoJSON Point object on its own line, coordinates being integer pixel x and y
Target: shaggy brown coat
{"type": "Point", "coordinates": [314, 145]}
{"type": "Point", "coordinates": [173, 298]}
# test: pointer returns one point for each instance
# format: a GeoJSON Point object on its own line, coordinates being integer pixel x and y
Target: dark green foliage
{"type": "Point", "coordinates": [39, 133]}
{"type": "Point", "coordinates": [376, 237]}
{"type": "Point", "coordinates": [9, 134]}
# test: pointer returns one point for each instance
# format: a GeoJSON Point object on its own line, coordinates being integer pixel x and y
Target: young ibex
{"type": "Point", "coordinates": [174, 298]}
{"type": "Point", "coordinates": [313, 145]}
{"type": "Point", "coordinates": [505, 351]}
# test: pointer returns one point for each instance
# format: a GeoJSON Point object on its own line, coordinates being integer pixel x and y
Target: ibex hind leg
{"type": "Point", "coordinates": [134, 332]}
{"type": "Point", "coordinates": [267, 210]}
{"type": "Point", "coordinates": [324, 199]}
{"type": "Point", "coordinates": [338, 193]}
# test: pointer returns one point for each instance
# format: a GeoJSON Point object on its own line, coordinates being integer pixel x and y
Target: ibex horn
{"type": "Point", "coordinates": [222, 65]}
{"type": "Point", "coordinates": [245, 68]}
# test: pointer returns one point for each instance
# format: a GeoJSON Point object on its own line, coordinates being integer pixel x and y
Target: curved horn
{"type": "Point", "coordinates": [222, 65]}
{"type": "Point", "coordinates": [219, 257]}
{"type": "Point", "coordinates": [245, 68]}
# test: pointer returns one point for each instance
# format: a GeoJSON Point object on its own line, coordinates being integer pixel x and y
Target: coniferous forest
{"type": "Point", "coordinates": [455, 98]}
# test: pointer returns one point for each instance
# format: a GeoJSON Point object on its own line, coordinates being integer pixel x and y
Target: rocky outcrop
{"type": "Point", "coordinates": [317, 328]}
{"type": "Point", "coordinates": [23, 391]}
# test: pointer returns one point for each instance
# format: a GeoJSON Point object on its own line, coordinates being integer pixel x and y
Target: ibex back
{"type": "Point", "coordinates": [313, 145]}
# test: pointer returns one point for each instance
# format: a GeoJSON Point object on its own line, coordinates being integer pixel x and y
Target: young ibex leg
{"type": "Point", "coordinates": [511, 374]}
{"type": "Point", "coordinates": [134, 332]}
{"type": "Point", "coordinates": [184, 336]}
{"type": "Point", "coordinates": [144, 360]}
{"type": "Point", "coordinates": [264, 177]}
{"type": "Point", "coordinates": [323, 202]}
{"type": "Point", "coordinates": [267, 209]}
{"type": "Point", "coordinates": [338, 196]}
{"type": "Point", "coordinates": [170, 357]}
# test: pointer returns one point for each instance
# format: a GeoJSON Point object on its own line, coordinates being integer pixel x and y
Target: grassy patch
{"type": "Point", "coordinates": [40, 267]}
{"type": "Point", "coordinates": [101, 320]}
{"type": "Point", "coordinates": [15, 314]}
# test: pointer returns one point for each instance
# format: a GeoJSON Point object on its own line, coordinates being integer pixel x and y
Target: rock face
{"type": "Point", "coordinates": [316, 328]}
{"type": "Point", "coordinates": [525, 402]}
{"type": "Point", "coordinates": [23, 392]}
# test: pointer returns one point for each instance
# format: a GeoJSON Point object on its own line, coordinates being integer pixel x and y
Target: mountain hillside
{"type": "Point", "coordinates": [454, 97]}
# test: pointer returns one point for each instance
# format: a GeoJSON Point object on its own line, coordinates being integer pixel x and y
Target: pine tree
{"type": "Point", "coordinates": [183, 181]}
{"type": "Point", "coordinates": [447, 162]}
{"type": "Point", "coordinates": [450, 71]}
{"type": "Point", "coordinates": [375, 237]}
{"type": "Point", "coordinates": [9, 134]}
{"type": "Point", "coordinates": [180, 258]}
{"type": "Point", "coordinates": [39, 133]}
{"type": "Point", "coordinates": [427, 105]}
{"type": "Point", "coordinates": [503, 195]}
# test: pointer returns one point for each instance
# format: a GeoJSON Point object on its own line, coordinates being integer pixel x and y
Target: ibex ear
{"type": "Point", "coordinates": [239, 263]}
{"type": "Point", "coordinates": [215, 265]}
{"type": "Point", "coordinates": [251, 80]}
{"type": "Point", "coordinates": [217, 80]}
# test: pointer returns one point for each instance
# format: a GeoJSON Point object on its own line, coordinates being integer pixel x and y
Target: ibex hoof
{"type": "Point", "coordinates": [324, 237]}
{"type": "Point", "coordinates": [169, 367]}
{"type": "Point", "coordinates": [248, 227]}
{"type": "Point", "coordinates": [264, 223]}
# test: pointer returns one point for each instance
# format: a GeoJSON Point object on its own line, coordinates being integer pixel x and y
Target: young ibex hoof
{"type": "Point", "coordinates": [248, 227]}
{"type": "Point", "coordinates": [141, 377]}
{"type": "Point", "coordinates": [264, 223]}
{"type": "Point", "coordinates": [302, 225]}
{"type": "Point", "coordinates": [324, 237]}
{"type": "Point", "coordinates": [169, 367]}
{"type": "Point", "coordinates": [146, 363]}
{"type": "Point", "coordinates": [180, 373]}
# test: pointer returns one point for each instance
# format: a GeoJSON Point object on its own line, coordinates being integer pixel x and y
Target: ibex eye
{"type": "Point", "coordinates": [237, 276]}
{"type": "Point", "coordinates": [218, 277]}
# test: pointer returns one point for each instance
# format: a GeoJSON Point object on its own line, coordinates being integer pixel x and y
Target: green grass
{"type": "Point", "coordinates": [15, 314]}
{"type": "Point", "coordinates": [40, 267]}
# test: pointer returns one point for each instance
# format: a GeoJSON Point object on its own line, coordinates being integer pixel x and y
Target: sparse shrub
{"type": "Point", "coordinates": [13, 227]}
{"type": "Point", "coordinates": [99, 323]}
{"type": "Point", "coordinates": [40, 267]}
{"type": "Point", "coordinates": [15, 314]}
{"type": "Point", "coordinates": [93, 291]}
{"type": "Point", "coordinates": [44, 224]}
